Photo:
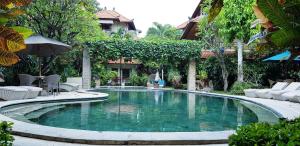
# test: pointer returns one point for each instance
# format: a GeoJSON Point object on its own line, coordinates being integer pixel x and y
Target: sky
{"type": "Point", "coordinates": [145, 12]}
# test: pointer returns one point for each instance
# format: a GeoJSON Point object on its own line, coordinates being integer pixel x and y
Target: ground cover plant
{"type": "Point", "coordinates": [285, 133]}
{"type": "Point", "coordinates": [6, 138]}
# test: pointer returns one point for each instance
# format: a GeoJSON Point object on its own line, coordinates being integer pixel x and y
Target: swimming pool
{"type": "Point", "coordinates": [142, 110]}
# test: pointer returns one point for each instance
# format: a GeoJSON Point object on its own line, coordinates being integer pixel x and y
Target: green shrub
{"type": "Point", "coordinates": [238, 87]}
{"type": "Point", "coordinates": [6, 139]}
{"type": "Point", "coordinates": [136, 80]}
{"type": "Point", "coordinates": [175, 78]}
{"type": "Point", "coordinates": [286, 133]}
{"type": "Point", "coordinates": [144, 79]}
{"type": "Point", "coordinates": [99, 71]}
{"type": "Point", "coordinates": [202, 74]}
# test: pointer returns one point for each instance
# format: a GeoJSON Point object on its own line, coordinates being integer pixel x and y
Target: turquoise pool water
{"type": "Point", "coordinates": [142, 110]}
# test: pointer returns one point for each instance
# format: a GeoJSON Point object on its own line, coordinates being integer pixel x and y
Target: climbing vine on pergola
{"type": "Point", "coordinates": [171, 52]}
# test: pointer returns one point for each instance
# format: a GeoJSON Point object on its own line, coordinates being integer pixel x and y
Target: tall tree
{"type": "Point", "coordinates": [69, 21]}
{"type": "Point", "coordinates": [238, 16]}
{"type": "Point", "coordinates": [163, 31]}
{"type": "Point", "coordinates": [209, 34]}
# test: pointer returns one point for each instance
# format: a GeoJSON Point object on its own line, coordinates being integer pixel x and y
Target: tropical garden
{"type": "Point", "coordinates": [229, 24]}
{"type": "Point", "coordinates": [255, 28]}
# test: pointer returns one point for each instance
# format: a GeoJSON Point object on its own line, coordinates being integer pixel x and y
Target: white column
{"type": "Point", "coordinates": [192, 76]}
{"type": "Point", "coordinates": [86, 69]}
{"type": "Point", "coordinates": [240, 61]}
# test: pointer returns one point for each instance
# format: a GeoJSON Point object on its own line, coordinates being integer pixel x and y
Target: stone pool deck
{"type": "Point", "coordinates": [285, 109]}
{"type": "Point", "coordinates": [23, 141]}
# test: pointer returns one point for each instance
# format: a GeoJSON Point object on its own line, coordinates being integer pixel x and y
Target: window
{"type": "Point", "coordinates": [126, 73]}
{"type": "Point", "coordinates": [106, 27]}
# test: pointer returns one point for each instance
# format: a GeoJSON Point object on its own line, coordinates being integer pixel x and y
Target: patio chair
{"type": "Point", "coordinates": [52, 83]}
{"type": "Point", "coordinates": [292, 87]}
{"type": "Point", "coordinates": [26, 80]}
{"type": "Point", "coordinates": [264, 93]}
{"type": "Point", "coordinates": [72, 84]}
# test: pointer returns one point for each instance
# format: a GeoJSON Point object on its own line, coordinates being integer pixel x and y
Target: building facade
{"type": "Point", "coordinates": [112, 23]}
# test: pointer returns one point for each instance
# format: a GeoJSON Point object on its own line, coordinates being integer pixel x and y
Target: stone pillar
{"type": "Point", "coordinates": [191, 83]}
{"type": "Point", "coordinates": [86, 69]}
{"type": "Point", "coordinates": [240, 61]}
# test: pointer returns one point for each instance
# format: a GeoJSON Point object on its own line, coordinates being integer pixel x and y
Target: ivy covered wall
{"type": "Point", "coordinates": [164, 52]}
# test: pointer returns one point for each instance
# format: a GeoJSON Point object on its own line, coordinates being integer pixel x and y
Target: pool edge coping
{"type": "Point", "coordinates": [93, 137]}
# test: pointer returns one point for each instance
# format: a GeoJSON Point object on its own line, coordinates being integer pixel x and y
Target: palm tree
{"type": "Point", "coordinates": [163, 31]}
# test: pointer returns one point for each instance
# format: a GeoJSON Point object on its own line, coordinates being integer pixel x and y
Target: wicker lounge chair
{"type": "Point", "coordinates": [13, 93]}
{"type": "Point", "coordinates": [296, 97]}
{"type": "Point", "coordinates": [33, 92]}
{"type": "Point", "coordinates": [263, 93]}
{"type": "Point", "coordinates": [26, 80]}
{"type": "Point", "coordinates": [72, 84]}
{"type": "Point", "coordinates": [290, 88]}
{"type": "Point", "coordinates": [290, 95]}
{"type": "Point", "coordinates": [19, 92]}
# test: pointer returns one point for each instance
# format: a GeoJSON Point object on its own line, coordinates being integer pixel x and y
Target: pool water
{"type": "Point", "coordinates": [150, 111]}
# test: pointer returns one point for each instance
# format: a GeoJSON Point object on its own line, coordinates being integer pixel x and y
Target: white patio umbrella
{"type": "Point", "coordinates": [44, 47]}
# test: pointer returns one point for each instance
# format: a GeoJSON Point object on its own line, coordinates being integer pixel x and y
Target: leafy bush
{"type": "Point", "coordinates": [174, 77]}
{"type": "Point", "coordinates": [144, 79]}
{"type": "Point", "coordinates": [202, 74]}
{"type": "Point", "coordinates": [69, 71]}
{"type": "Point", "coordinates": [257, 134]}
{"type": "Point", "coordinates": [6, 139]}
{"type": "Point", "coordinates": [238, 87]}
{"type": "Point", "coordinates": [137, 80]}
{"type": "Point", "coordinates": [100, 72]}
{"type": "Point", "coordinates": [134, 78]}
{"type": "Point", "coordinates": [212, 67]}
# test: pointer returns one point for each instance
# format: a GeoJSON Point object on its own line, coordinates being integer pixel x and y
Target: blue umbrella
{"type": "Point", "coordinates": [282, 57]}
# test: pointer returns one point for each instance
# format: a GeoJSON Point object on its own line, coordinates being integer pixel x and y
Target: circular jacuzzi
{"type": "Point", "coordinates": [139, 112]}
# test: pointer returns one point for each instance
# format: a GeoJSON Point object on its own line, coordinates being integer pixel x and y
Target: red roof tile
{"type": "Point", "coordinates": [183, 25]}
{"type": "Point", "coordinates": [207, 53]}
{"type": "Point", "coordinates": [133, 61]}
{"type": "Point", "coordinates": [111, 14]}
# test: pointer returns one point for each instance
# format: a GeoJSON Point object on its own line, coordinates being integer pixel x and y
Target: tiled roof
{"type": "Point", "coordinates": [112, 14]}
{"type": "Point", "coordinates": [183, 25]}
{"type": "Point", "coordinates": [133, 61]}
{"type": "Point", "coordinates": [207, 53]}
